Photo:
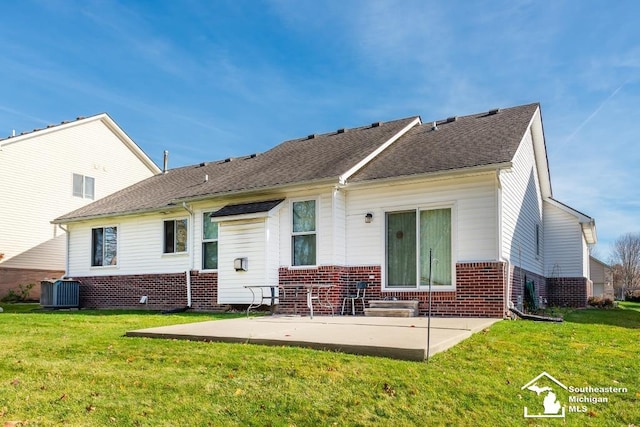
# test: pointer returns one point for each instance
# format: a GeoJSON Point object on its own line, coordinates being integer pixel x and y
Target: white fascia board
{"type": "Point", "coordinates": [540, 151]}
{"type": "Point", "coordinates": [342, 179]}
{"type": "Point", "coordinates": [129, 143]}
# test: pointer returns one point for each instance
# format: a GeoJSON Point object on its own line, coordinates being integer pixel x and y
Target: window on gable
{"type": "Point", "coordinates": [83, 186]}
{"type": "Point", "coordinates": [413, 238]}
{"type": "Point", "coordinates": [303, 239]}
{"type": "Point", "coordinates": [104, 246]}
{"type": "Point", "coordinates": [175, 236]}
{"type": "Point", "coordinates": [209, 242]}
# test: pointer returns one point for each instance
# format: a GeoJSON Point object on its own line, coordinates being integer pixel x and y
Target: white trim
{"type": "Point", "coordinates": [103, 267]}
{"type": "Point", "coordinates": [342, 179]}
{"type": "Point", "coordinates": [454, 239]}
{"type": "Point", "coordinates": [316, 199]}
{"type": "Point", "coordinates": [175, 253]}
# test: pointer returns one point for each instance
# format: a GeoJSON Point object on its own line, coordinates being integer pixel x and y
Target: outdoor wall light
{"type": "Point", "coordinates": [368, 218]}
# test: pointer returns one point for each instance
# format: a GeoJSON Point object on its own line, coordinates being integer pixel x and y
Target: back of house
{"type": "Point", "coordinates": [459, 210]}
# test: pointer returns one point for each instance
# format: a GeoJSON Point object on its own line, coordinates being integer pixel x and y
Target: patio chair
{"type": "Point", "coordinates": [361, 290]}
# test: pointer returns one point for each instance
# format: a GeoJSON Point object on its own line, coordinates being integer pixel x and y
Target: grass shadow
{"type": "Point", "coordinates": [627, 315]}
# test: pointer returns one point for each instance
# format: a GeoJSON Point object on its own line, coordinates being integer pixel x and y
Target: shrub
{"type": "Point", "coordinates": [600, 302]}
{"type": "Point", "coordinates": [19, 295]}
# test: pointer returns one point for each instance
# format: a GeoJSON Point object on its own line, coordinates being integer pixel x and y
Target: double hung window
{"type": "Point", "coordinates": [418, 248]}
{"type": "Point", "coordinates": [209, 242]}
{"type": "Point", "coordinates": [303, 239]}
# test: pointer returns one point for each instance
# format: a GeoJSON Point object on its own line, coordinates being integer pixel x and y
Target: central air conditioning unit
{"type": "Point", "coordinates": [61, 293]}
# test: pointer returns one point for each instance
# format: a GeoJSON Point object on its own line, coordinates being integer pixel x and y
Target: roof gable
{"type": "Point", "coordinates": [104, 118]}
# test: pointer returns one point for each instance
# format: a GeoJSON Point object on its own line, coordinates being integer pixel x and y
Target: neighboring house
{"type": "Point", "coordinates": [368, 203]}
{"type": "Point", "coordinates": [50, 171]}
{"type": "Point", "coordinates": [601, 277]}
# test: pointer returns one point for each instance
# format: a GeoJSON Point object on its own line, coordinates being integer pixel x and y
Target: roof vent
{"type": "Point", "coordinates": [228, 159]}
{"type": "Point", "coordinates": [434, 126]}
{"type": "Point", "coordinates": [203, 164]}
{"type": "Point", "coordinates": [452, 119]}
{"type": "Point", "coordinates": [312, 136]}
{"type": "Point", "coordinates": [343, 130]}
{"type": "Point", "coordinates": [493, 112]}
{"type": "Point", "coordinates": [253, 156]}
{"type": "Point", "coordinates": [376, 124]}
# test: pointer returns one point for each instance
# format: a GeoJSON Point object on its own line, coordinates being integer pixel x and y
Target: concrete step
{"type": "Point", "coordinates": [392, 308]}
{"type": "Point", "coordinates": [393, 304]}
{"type": "Point", "coordinates": [390, 312]}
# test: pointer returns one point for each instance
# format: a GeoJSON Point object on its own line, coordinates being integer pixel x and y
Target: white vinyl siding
{"type": "Point", "coordinates": [522, 210]}
{"type": "Point", "coordinates": [37, 172]}
{"type": "Point", "coordinates": [140, 241]}
{"type": "Point", "coordinates": [474, 219]}
{"type": "Point", "coordinates": [241, 239]}
{"type": "Point", "coordinates": [564, 248]}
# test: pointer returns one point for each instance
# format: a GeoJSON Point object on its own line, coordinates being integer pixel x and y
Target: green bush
{"type": "Point", "coordinates": [600, 302]}
{"type": "Point", "coordinates": [19, 295]}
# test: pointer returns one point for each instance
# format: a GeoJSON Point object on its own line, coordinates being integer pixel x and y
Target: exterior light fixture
{"type": "Point", "coordinates": [368, 218]}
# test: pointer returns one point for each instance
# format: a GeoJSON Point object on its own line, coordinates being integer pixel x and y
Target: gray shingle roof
{"type": "Point", "coordinates": [476, 140]}
{"type": "Point", "coordinates": [469, 141]}
{"type": "Point", "coordinates": [308, 159]}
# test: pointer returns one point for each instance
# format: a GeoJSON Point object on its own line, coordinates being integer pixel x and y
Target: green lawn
{"type": "Point", "coordinates": [77, 369]}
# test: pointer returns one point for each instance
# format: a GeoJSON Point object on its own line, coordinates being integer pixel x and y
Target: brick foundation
{"type": "Point", "coordinates": [479, 289]}
{"type": "Point", "coordinates": [164, 291]}
{"type": "Point", "coordinates": [12, 278]}
{"type": "Point", "coordinates": [569, 291]}
{"type": "Point", "coordinates": [518, 278]}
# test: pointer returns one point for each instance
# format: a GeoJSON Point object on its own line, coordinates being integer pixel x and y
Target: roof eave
{"type": "Point", "coordinates": [176, 204]}
{"type": "Point", "coordinates": [452, 173]}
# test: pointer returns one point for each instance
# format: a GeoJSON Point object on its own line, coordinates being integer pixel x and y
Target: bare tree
{"type": "Point", "coordinates": [626, 254]}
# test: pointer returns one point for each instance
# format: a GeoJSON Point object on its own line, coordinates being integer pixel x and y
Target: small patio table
{"type": "Point", "coordinates": [314, 291]}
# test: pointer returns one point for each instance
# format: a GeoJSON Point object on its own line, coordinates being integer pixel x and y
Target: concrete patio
{"type": "Point", "coordinates": [397, 338]}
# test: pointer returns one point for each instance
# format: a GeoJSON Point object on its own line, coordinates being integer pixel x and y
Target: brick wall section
{"type": "Point", "coordinates": [12, 278]}
{"type": "Point", "coordinates": [569, 291]}
{"type": "Point", "coordinates": [204, 291]}
{"type": "Point", "coordinates": [164, 291]}
{"type": "Point", "coordinates": [518, 277]}
{"type": "Point", "coordinates": [479, 290]}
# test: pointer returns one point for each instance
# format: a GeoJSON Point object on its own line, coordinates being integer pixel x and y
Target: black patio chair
{"type": "Point", "coordinates": [361, 291]}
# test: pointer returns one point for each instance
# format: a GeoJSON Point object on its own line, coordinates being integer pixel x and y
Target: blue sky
{"type": "Point", "coordinates": [212, 79]}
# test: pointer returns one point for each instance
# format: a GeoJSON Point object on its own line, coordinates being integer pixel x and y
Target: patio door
{"type": "Point", "coordinates": [411, 236]}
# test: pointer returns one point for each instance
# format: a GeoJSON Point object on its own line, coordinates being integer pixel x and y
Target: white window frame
{"type": "Point", "coordinates": [303, 233]}
{"type": "Point", "coordinates": [454, 239]}
{"type": "Point", "coordinates": [204, 240]}
{"type": "Point", "coordinates": [116, 265]}
{"type": "Point", "coordinates": [85, 181]}
{"type": "Point", "coordinates": [164, 244]}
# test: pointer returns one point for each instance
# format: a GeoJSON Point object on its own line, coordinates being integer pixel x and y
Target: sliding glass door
{"type": "Point", "coordinates": [410, 237]}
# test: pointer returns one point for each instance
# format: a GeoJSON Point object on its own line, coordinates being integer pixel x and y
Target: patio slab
{"type": "Point", "coordinates": [397, 338]}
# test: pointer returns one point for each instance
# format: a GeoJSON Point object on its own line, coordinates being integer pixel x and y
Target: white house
{"type": "Point", "coordinates": [50, 171]}
{"type": "Point", "coordinates": [370, 203]}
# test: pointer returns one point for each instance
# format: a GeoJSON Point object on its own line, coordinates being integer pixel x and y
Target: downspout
{"type": "Point", "coordinates": [192, 237]}
{"type": "Point", "coordinates": [501, 257]}
{"type": "Point", "coordinates": [66, 261]}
